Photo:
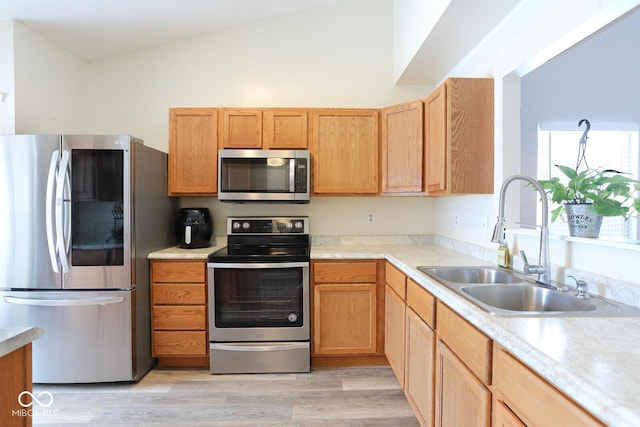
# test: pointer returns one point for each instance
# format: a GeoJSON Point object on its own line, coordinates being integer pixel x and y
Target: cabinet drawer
{"type": "Point", "coordinates": [396, 279]}
{"type": "Point", "coordinates": [422, 302]}
{"type": "Point", "coordinates": [532, 398]}
{"type": "Point", "coordinates": [178, 271]}
{"type": "Point", "coordinates": [344, 272]}
{"type": "Point", "coordinates": [191, 343]}
{"type": "Point", "coordinates": [179, 293]}
{"type": "Point", "coordinates": [470, 345]}
{"type": "Point", "coordinates": [179, 317]}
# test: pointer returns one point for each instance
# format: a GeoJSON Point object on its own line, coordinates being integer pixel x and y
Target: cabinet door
{"type": "Point", "coordinates": [344, 319]}
{"type": "Point", "coordinates": [458, 132]}
{"type": "Point", "coordinates": [242, 128]}
{"type": "Point", "coordinates": [401, 151]}
{"type": "Point", "coordinates": [285, 129]}
{"type": "Point", "coordinates": [470, 112]}
{"type": "Point", "coordinates": [534, 400]}
{"type": "Point", "coordinates": [435, 141]}
{"type": "Point", "coordinates": [344, 148]}
{"type": "Point", "coordinates": [461, 399]}
{"type": "Point", "coordinates": [503, 417]}
{"type": "Point", "coordinates": [394, 332]}
{"type": "Point", "coordinates": [420, 367]}
{"type": "Point", "coordinates": [193, 151]}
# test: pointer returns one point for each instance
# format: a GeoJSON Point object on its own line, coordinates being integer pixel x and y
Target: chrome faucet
{"type": "Point", "coordinates": [543, 269]}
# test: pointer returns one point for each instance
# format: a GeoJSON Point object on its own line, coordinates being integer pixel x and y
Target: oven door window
{"type": "Point", "coordinates": [250, 298]}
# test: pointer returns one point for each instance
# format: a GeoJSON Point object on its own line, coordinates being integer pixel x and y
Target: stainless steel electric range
{"type": "Point", "coordinates": [259, 297]}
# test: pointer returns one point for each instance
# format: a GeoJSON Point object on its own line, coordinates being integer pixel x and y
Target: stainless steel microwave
{"type": "Point", "coordinates": [263, 176]}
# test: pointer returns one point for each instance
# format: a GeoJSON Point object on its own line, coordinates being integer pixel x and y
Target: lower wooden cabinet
{"type": "Point", "coordinates": [461, 398]}
{"type": "Point", "coordinates": [179, 312]}
{"type": "Point", "coordinates": [394, 333]}
{"type": "Point", "coordinates": [347, 302]}
{"type": "Point", "coordinates": [530, 400]}
{"type": "Point", "coordinates": [16, 378]}
{"type": "Point", "coordinates": [463, 372]}
{"type": "Point", "coordinates": [420, 367]}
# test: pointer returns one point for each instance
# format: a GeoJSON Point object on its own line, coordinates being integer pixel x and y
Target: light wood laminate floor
{"type": "Point", "coordinates": [354, 396]}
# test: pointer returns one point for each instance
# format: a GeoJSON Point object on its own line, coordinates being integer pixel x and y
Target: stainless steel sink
{"type": "Point", "coordinates": [471, 274]}
{"type": "Point", "coordinates": [526, 298]}
{"type": "Point", "coordinates": [506, 293]}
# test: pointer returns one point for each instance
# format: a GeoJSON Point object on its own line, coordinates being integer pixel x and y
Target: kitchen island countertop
{"type": "Point", "coordinates": [13, 338]}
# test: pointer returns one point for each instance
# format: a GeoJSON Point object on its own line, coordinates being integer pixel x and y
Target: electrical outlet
{"type": "Point", "coordinates": [371, 217]}
{"type": "Point", "coordinates": [456, 220]}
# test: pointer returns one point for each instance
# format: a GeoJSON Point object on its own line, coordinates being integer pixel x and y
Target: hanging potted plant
{"type": "Point", "coordinates": [590, 195]}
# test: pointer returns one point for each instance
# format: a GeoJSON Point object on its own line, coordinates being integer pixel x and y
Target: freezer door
{"type": "Point", "coordinates": [97, 217]}
{"type": "Point", "coordinates": [87, 335]}
{"type": "Point", "coordinates": [28, 168]}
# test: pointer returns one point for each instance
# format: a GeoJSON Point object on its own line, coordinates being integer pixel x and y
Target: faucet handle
{"type": "Point", "coordinates": [528, 268]}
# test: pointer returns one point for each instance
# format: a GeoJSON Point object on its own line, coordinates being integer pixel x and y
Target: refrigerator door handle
{"type": "Point", "coordinates": [64, 302]}
{"type": "Point", "coordinates": [49, 211]}
{"type": "Point", "coordinates": [60, 211]}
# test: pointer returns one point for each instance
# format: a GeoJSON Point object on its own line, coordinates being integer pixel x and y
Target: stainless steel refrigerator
{"type": "Point", "coordinates": [79, 215]}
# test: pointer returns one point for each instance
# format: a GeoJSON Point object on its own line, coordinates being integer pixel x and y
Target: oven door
{"type": "Point", "coordinates": [257, 301]}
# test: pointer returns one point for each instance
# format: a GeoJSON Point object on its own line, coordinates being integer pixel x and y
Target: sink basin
{"type": "Point", "coordinates": [471, 274]}
{"type": "Point", "coordinates": [506, 293]}
{"type": "Point", "coordinates": [528, 298]}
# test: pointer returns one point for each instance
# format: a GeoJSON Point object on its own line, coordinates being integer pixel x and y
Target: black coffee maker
{"type": "Point", "coordinates": [194, 228]}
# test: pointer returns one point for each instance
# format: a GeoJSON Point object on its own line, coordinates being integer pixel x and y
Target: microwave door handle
{"type": "Point", "coordinates": [49, 211]}
{"type": "Point", "coordinates": [292, 175]}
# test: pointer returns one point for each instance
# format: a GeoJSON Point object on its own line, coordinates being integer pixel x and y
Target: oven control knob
{"type": "Point", "coordinates": [292, 317]}
{"type": "Point", "coordinates": [246, 225]}
{"type": "Point", "coordinates": [235, 225]}
{"type": "Point", "coordinates": [298, 225]}
{"type": "Point", "coordinates": [289, 225]}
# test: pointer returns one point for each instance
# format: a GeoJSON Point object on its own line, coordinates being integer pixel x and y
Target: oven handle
{"type": "Point", "coordinates": [257, 265]}
{"type": "Point", "coordinates": [273, 347]}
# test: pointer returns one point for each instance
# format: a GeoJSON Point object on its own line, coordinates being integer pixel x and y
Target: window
{"type": "Point", "coordinates": [608, 147]}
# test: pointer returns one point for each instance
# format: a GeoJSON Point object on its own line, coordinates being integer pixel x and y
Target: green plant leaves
{"type": "Point", "coordinates": [611, 192]}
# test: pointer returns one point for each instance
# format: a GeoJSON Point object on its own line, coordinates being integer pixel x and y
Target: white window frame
{"type": "Point", "coordinates": [558, 143]}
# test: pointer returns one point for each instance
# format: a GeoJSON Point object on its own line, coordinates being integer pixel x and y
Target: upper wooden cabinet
{"type": "Point", "coordinates": [193, 151]}
{"type": "Point", "coordinates": [401, 149]}
{"type": "Point", "coordinates": [241, 128]}
{"type": "Point", "coordinates": [264, 128]}
{"type": "Point", "coordinates": [344, 149]}
{"type": "Point", "coordinates": [285, 128]}
{"type": "Point", "coordinates": [458, 135]}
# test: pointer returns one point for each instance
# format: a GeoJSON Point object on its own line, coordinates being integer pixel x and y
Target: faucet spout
{"type": "Point", "coordinates": [543, 270]}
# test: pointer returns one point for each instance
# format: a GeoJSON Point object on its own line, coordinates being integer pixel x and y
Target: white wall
{"type": "Point", "coordinates": [534, 33]}
{"type": "Point", "coordinates": [413, 21]}
{"type": "Point", "coordinates": [598, 79]}
{"type": "Point", "coordinates": [335, 56]}
{"type": "Point", "coordinates": [50, 86]}
{"type": "Point", "coordinates": [7, 105]}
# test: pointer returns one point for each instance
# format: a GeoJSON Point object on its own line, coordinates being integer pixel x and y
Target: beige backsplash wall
{"type": "Point", "coordinates": [334, 216]}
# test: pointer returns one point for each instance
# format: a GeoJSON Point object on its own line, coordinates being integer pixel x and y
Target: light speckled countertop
{"type": "Point", "coordinates": [595, 361]}
{"type": "Point", "coordinates": [13, 338]}
{"type": "Point", "coordinates": [176, 252]}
